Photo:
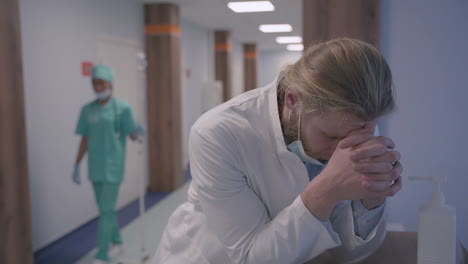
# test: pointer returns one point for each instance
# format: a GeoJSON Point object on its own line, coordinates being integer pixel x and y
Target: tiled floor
{"type": "Point", "coordinates": [149, 228]}
{"type": "Point", "coordinates": [80, 242]}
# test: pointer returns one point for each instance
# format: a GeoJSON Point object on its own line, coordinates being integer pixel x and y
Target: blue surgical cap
{"type": "Point", "coordinates": [103, 72]}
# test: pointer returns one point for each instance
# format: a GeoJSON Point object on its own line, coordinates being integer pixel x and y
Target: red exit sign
{"type": "Point", "coordinates": [86, 67]}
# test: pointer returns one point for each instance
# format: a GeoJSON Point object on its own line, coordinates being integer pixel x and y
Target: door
{"type": "Point", "coordinates": [126, 59]}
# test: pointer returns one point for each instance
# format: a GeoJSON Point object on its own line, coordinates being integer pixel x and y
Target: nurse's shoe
{"type": "Point", "coordinates": [115, 251]}
{"type": "Point", "coordinates": [98, 261]}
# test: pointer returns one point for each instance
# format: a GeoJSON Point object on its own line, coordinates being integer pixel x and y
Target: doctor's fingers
{"type": "Point", "coordinates": [357, 137]}
{"type": "Point", "coordinates": [354, 140]}
{"type": "Point", "coordinates": [376, 186]}
{"type": "Point", "coordinates": [390, 191]}
{"type": "Point", "coordinates": [373, 167]}
{"type": "Point", "coordinates": [390, 176]}
{"type": "Point", "coordinates": [368, 152]}
{"type": "Point", "coordinates": [381, 164]}
{"type": "Point", "coordinates": [391, 156]}
{"type": "Point", "coordinates": [378, 140]}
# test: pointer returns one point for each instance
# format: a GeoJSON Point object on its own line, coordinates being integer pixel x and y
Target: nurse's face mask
{"type": "Point", "coordinates": [297, 147]}
{"type": "Point", "coordinates": [101, 89]}
{"type": "Point", "coordinates": [102, 96]}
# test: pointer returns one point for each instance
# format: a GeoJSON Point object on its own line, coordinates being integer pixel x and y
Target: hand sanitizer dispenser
{"type": "Point", "coordinates": [437, 228]}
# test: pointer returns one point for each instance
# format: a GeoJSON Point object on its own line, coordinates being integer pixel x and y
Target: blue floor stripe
{"type": "Point", "coordinates": [76, 244]}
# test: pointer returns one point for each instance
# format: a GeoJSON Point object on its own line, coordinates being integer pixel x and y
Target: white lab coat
{"type": "Point", "coordinates": [243, 203]}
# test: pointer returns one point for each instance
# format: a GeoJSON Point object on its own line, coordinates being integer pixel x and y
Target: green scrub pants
{"type": "Point", "coordinates": [108, 227]}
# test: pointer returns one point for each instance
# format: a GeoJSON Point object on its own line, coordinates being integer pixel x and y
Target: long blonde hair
{"type": "Point", "coordinates": [341, 75]}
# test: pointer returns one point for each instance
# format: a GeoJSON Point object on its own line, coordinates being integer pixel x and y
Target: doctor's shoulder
{"type": "Point", "coordinates": [224, 128]}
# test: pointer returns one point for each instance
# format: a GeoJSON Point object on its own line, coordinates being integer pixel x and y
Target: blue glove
{"type": "Point", "coordinates": [76, 175]}
{"type": "Point", "coordinates": [140, 131]}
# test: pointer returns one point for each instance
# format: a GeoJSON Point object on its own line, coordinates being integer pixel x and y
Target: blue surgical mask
{"type": "Point", "coordinates": [297, 148]}
{"type": "Point", "coordinates": [313, 166]}
{"type": "Point", "coordinates": [103, 95]}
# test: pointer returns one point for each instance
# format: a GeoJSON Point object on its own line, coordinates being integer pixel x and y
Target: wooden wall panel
{"type": "Point", "coordinates": [329, 19]}
{"type": "Point", "coordinates": [15, 211]}
{"type": "Point", "coordinates": [164, 96]}
{"type": "Point", "coordinates": [250, 67]}
{"type": "Point", "coordinates": [223, 67]}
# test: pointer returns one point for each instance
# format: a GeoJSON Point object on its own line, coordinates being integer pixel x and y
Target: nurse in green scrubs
{"type": "Point", "coordinates": [105, 124]}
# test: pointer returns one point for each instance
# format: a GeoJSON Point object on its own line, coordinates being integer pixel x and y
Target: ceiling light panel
{"type": "Point", "coordinates": [251, 6]}
{"type": "Point", "coordinates": [289, 39]}
{"type": "Point", "coordinates": [295, 47]}
{"type": "Point", "coordinates": [273, 28]}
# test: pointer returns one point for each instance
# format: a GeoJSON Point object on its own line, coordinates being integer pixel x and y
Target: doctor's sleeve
{"type": "Point", "coordinates": [357, 246]}
{"type": "Point", "coordinates": [365, 220]}
{"type": "Point", "coordinates": [238, 216]}
{"type": "Point", "coordinates": [128, 122]}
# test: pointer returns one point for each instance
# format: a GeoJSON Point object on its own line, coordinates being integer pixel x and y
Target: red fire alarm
{"type": "Point", "coordinates": [86, 67]}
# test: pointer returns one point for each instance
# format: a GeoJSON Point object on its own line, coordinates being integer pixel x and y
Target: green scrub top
{"type": "Point", "coordinates": [106, 128]}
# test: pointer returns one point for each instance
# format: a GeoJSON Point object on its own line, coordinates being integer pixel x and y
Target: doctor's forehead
{"type": "Point", "coordinates": [343, 122]}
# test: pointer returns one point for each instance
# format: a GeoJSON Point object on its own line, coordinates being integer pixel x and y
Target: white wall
{"type": "Point", "coordinates": [56, 36]}
{"type": "Point", "coordinates": [197, 57]}
{"type": "Point", "coordinates": [271, 62]}
{"type": "Point", "coordinates": [425, 43]}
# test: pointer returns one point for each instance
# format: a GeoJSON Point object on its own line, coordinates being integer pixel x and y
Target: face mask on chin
{"type": "Point", "coordinates": [102, 96]}
{"type": "Point", "coordinates": [297, 148]}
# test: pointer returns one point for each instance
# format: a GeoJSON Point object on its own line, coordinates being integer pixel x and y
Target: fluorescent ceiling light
{"type": "Point", "coordinates": [295, 47]}
{"type": "Point", "coordinates": [251, 6]}
{"type": "Point", "coordinates": [271, 28]}
{"type": "Point", "coordinates": [288, 40]}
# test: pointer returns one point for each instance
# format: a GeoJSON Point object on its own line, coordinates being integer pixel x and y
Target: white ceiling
{"type": "Point", "coordinates": [214, 14]}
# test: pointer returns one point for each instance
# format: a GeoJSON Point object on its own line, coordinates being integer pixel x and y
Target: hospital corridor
{"type": "Point", "coordinates": [233, 131]}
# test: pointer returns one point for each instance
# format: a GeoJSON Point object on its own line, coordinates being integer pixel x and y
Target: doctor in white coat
{"type": "Point", "coordinates": [285, 172]}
